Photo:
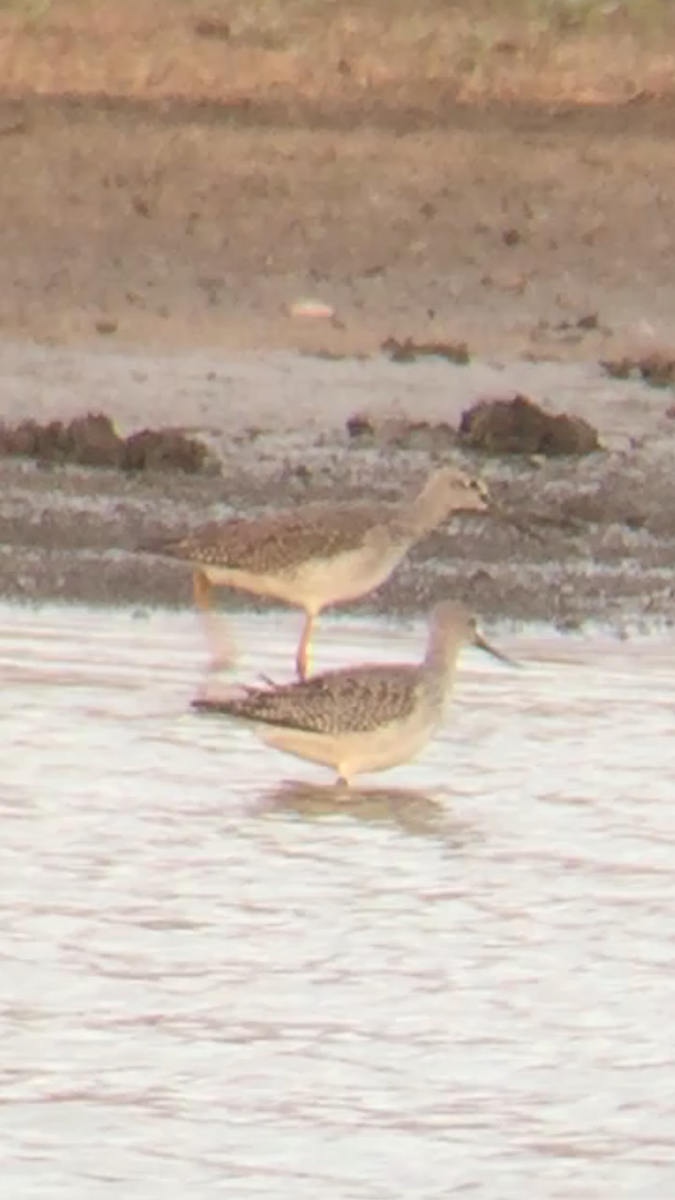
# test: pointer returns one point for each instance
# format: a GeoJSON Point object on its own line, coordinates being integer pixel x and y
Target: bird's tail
{"type": "Point", "coordinates": [161, 546]}
{"type": "Point", "coordinates": [202, 704]}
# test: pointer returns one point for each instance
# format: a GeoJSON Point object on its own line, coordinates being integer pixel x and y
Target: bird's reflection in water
{"type": "Point", "coordinates": [411, 811]}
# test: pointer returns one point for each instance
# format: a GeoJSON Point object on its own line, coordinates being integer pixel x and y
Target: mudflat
{"type": "Point", "coordinates": [174, 184]}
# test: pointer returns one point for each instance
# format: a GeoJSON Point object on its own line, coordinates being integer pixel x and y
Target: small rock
{"type": "Point", "coordinates": [511, 237]}
{"type": "Point", "coordinates": [307, 307]}
{"type": "Point", "coordinates": [142, 208]}
{"type": "Point", "coordinates": [585, 324]}
{"type": "Point", "coordinates": [519, 426]}
{"type": "Point", "coordinates": [589, 321]}
{"type": "Point", "coordinates": [360, 428]}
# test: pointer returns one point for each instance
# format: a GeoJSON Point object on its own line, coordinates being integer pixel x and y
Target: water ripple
{"type": "Point", "coordinates": [218, 979]}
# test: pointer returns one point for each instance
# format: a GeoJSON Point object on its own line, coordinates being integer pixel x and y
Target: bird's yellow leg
{"type": "Point", "coordinates": [302, 660]}
{"type": "Point", "coordinates": [201, 590]}
{"type": "Point", "coordinates": [223, 654]}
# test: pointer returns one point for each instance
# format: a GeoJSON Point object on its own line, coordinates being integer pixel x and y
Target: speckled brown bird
{"type": "Point", "coordinates": [363, 718]}
{"type": "Point", "coordinates": [319, 554]}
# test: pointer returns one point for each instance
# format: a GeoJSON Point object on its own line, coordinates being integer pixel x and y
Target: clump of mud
{"type": "Point", "coordinates": [519, 426]}
{"type": "Point", "coordinates": [657, 369]}
{"type": "Point", "coordinates": [401, 433]}
{"type": "Point", "coordinates": [496, 427]}
{"type": "Point", "coordinates": [408, 351]}
{"type": "Point", "coordinates": [93, 441]}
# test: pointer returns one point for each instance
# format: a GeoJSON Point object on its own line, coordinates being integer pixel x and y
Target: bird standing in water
{"type": "Point", "coordinates": [317, 554]}
{"type": "Point", "coordinates": [363, 718]}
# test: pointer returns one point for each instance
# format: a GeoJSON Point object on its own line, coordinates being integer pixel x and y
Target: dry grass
{"type": "Point", "coordinates": [330, 50]}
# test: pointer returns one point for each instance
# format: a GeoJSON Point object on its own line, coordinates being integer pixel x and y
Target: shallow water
{"type": "Point", "coordinates": [219, 980]}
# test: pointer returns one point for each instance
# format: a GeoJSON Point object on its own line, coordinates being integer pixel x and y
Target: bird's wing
{"type": "Point", "coordinates": [279, 541]}
{"type": "Point", "coordinates": [352, 700]}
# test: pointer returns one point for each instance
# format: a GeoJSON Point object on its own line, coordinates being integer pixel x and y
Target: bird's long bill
{"type": "Point", "coordinates": [515, 522]}
{"type": "Point", "coordinates": [482, 644]}
{"type": "Point", "coordinates": [569, 525]}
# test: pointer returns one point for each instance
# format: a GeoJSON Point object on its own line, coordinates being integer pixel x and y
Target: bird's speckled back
{"type": "Point", "coordinates": [359, 700]}
{"type": "Point", "coordinates": [281, 542]}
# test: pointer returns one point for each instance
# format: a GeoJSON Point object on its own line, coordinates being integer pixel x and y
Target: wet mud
{"type": "Point", "coordinates": [595, 537]}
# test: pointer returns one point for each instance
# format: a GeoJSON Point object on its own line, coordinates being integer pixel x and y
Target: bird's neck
{"type": "Point", "coordinates": [427, 510]}
{"type": "Point", "coordinates": [440, 661]}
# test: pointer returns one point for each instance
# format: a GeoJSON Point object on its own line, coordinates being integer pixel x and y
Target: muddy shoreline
{"type": "Point", "coordinates": [153, 257]}
{"type": "Point", "coordinates": [71, 533]}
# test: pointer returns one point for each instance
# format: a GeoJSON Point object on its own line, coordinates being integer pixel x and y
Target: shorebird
{"type": "Point", "coordinates": [317, 554]}
{"type": "Point", "coordinates": [364, 718]}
